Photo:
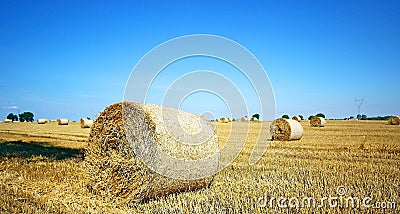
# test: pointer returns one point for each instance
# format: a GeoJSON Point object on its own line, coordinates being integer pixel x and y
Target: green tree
{"type": "Point", "coordinates": [358, 116]}
{"type": "Point", "coordinates": [301, 117]}
{"type": "Point", "coordinates": [10, 116]}
{"type": "Point", "coordinates": [26, 116]}
{"type": "Point", "coordinates": [320, 115]}
{"type": "Point", "coordinates": [285, 116]}
{"type": "Point", "coordinates": [311, 116]}
{"type": "Point", "coordinates": [256, 116]}
{"type": "Point", "coordinates": [364, 117]}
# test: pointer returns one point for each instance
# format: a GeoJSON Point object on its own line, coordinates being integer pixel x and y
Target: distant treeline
{"type": "Point", "coordinates": [378, 118]}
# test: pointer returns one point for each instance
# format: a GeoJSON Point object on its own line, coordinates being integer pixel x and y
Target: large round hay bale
{"type": "Point", "coordinates": [8, 121]}
{"type": "Point", "coordinates": [286, 129]}
{"type": "Point", "coordinates": [297, 118]}
{"type": "Point", "coordinates": [86, 123]}
{"type": "Point", "coordinates": [317, 122]}
{"type": "Point", "coordinates": [116, 169]}
{"type": "Point", "coordinates": [243, 119]}
{"type": "Point", "coordinates": [62, 121]}
{"type": "Point", "coordinates": [394, 120]}
{"type": "Point", "coordinates": [42, 120]}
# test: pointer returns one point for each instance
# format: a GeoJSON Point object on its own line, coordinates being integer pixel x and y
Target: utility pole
{"type": "Point", "coordinates": [358, 103]}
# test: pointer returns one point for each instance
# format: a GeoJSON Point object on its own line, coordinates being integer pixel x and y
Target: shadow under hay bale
{"type": "Point", "coordinates": [116, 169]}
{"type": "Point", "coordinates": [28, 150]}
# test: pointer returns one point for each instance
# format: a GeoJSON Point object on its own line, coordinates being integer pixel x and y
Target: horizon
{"type": "Point", "coordinates": [73, 59]}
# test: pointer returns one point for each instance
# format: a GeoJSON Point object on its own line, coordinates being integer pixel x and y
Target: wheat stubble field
{"type": "Point", "coordinates": [41, 171]}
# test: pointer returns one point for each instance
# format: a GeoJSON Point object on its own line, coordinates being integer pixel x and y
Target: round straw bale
{"type": "Point", "coordinates": [286, 129]}
{"type": "Point", "coordinates": [394, 120]}
{"type": "Point", "coordinates": [115, 167]}
{"type": "Point", "coordinates": [254, 119]}
{"type": "Point", "coordinates": [86, 123]}
{"type": "Point", "coordinates": [229, 119]}
{"type": "Point", "coordinates": [297, 118]}
{"type": "Point", "coordinates": [42, 120]}
{"type": "Point", "coordinates": [8, 120]}
{"type": "Point", "coordinates": [224, 120]}
{"type": "Point", "coordinates": [244, 119]}
{"type": "Point", "coordinates": [317, 122]}
{"type": "Point", "coordinates": [62, 121]}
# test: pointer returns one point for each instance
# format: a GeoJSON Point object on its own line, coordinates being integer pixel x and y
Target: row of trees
{"type": "Point", "coordinates": [301, 116]}
{"type": "Point", "coordinates": [254, 115]}
{"type": "Point", "coordinates": [359, 117]}
{"type": "Point", "coordinates": [26, 116]}
{"type": "Point", "coordinates": [287, 116]}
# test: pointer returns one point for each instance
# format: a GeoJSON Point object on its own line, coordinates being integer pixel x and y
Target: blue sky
{"type": "Point", "coordinates": [73, 58]}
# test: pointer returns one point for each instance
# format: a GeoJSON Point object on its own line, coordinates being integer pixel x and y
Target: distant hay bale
{"type": "Point", "coordinates": [243, 119]}
{"type": "Point", "coordinates": [317, 122]}
{"type": "Point", "coordinates": [86, 123]}
{"type": "Point", "coordinates": [116, 169]}
{"type": "Point", "coordinates": [229, 119]}
{"type": "Point", "coordinates": [254, 119]}
{"type": "Point", "coordinates": [42, 120]}
{"type": "Point", "coordinates": [297, 118]}
{"type": "Point", "coordinates": [8, 121]}
{"type": "Point", "coordinates": [223, 120]}
{"type": "Point", "coordinates": [394, 120]}
{"type": "Point", "coordinates": [286, 129]}
{"type": "Point", "coordinates": [62, 121]}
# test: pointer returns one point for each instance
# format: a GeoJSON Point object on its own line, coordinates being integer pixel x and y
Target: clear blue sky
{"type": "Point", "coordinates": [73, 58]}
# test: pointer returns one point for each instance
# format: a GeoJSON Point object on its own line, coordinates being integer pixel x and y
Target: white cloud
{"type": "Point", "coordinates": [11, 107]}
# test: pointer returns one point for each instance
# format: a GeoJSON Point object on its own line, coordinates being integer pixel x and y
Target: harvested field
{"type": "Point", "coordinates": [42, 171]}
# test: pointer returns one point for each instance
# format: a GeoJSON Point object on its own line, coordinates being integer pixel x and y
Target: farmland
{"type": "Point", "coordinates": [42, 170]}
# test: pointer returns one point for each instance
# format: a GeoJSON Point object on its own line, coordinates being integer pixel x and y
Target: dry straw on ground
{"type": "Point", "coordinates": [317, 122]}
{"type": "Point", "coordinates": [62, 121]}
{"type": "Point", "coordinates": [117, 169]}
{"type": "Point", "coordinates": [286, 129]}
{"type": "Point", "coordinates": [297, 118]}
{"type": "Point", "coordinates": [42, 121]}
{"type": "Point", "coordinates": [394, 120]}
{"type": "Point", "coordinates": [86, 123]}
